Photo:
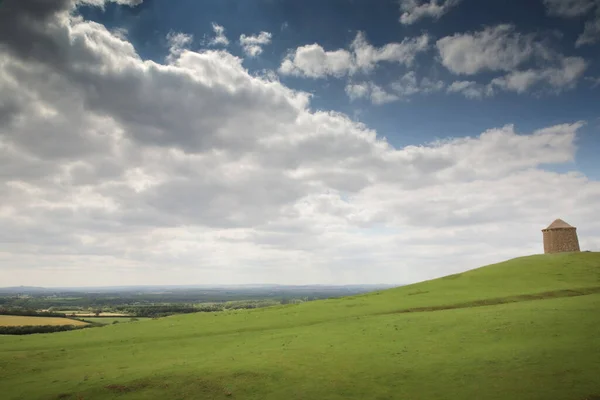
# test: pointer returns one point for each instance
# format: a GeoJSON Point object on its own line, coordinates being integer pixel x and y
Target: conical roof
{"type": "Point", "coordinates": [559, 224]}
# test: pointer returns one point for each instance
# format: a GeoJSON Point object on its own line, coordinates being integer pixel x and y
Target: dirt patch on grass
{"type": "Point", "coordinates": [418, 292]}
{"type": "Point", "coordinates": [126, 388]}
{"type": "Point", "coordinates": [69, 396]}
{"type": "Point", "coordinates": [161, 387]}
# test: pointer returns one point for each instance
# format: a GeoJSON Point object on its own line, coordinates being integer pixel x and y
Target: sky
{"type": "Point", "coordinates": [292, 142]}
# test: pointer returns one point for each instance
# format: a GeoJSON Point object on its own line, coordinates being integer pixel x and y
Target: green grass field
{"type": "Point", "coordinates": [17, 320]}
{"type": "Point", "coordinates": [525, 329]}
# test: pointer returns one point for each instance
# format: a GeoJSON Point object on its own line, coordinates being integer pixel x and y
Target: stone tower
{"type": "Point", "coordinates": [560, 237]}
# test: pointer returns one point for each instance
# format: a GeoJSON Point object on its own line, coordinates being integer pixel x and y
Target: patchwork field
{"type": "Point", "coordinates": [527, 329]}
{"type": "Point", "coordinates": [16, 320]}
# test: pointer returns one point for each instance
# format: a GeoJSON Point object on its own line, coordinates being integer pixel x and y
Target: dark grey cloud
{"type": "Point", "coordinates": [28, 29]}
{"type": "Point", "coordinates": [9, 108]}
{"type": "Point", "coordinates": [143, 96]}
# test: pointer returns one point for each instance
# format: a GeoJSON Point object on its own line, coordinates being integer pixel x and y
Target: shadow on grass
{"type": "Point", "coordinates": [214, 386]}
{"type": "Point", "coordinates": [503, 300]}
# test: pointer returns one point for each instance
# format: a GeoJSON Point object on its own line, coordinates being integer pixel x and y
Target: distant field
{"type": "Point", "coordinates": [89, 314]}
{"type": "Point", "coordinates": [109, 320]}
{"type": "Point", "coordinates": [17, 320]}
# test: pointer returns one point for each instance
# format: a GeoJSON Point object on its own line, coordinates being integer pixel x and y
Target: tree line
{"type": "Point", "coordinates": [29, 312]}
{"type": "Point", "coordinates": [28, 330]}
{"type": "Point", "coordinates": [163, 310]}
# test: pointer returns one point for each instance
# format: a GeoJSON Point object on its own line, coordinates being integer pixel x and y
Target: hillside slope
{"type": "Point", "coordinates": [383, 345]}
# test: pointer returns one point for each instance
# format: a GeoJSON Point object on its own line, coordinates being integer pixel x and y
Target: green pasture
{"type": "Point", "coordinates": [526, 329]}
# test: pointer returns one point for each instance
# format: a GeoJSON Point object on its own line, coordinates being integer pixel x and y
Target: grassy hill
{"type": "Point", "coordinates": [528, 328]}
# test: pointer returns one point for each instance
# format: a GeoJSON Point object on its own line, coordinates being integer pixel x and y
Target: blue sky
{"type": "Point", "coordinates": [334, 24]}
{"type": "Point", "coordinates": [293, 142]}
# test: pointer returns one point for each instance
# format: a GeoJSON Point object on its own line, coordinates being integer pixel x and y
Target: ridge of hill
{"type": "Point", "coordinates": [527, 328]}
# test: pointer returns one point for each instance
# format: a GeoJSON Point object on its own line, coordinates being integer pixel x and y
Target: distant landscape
{"type": "Point", "coordinates": [25, 310]}
{"type": "Point", "coordinates": [528, 328]}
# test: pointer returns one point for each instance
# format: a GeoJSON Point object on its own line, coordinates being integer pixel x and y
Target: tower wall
{"type": "Point", "coordinates": [560, 240]}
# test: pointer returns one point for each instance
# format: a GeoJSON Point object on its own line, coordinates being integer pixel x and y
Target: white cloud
{"type": "Point", "coordinates": [518, 81]}
{"type": "Point", "coordinates": [578, 8]}
{"type": "Point", "coordinates": [501, 48]}
{"type": "Point", "coordinates": [569, 8]}
{"type": "Point", "coordinates": [415, 10]}
{"type": "Point", "coordinates": [381, 96]}
{"type": "Point", "coordinates": [558, 78]}
{"type": "Point", "coordinates": [313, 61]}
{"type": "Point", "coordinates": [429, 86]}
{"type": "Point", "coordinates": [497, 48]}
{"type": "Point", "coordinates": [470, 89]}
{"type": "Point", "coordinates": [358, 90]}
{"type": "Point", "coordinates": [370, 90]}
{"type": "Point", "coordinates": [409, 85]}
{"type": "Point", "coordinates": [178, 42]}
{"type": "Point", "coordinates": [253, 45]}
{"type": "Point", "coordinates": [404, 53]}
{"type": "Point", "coordinates": [591, 31]}
{"type": "Point", "coordinates": [220, 39]}
{"type": "Point", "coordinates": [565, 76]}
{"type": "Point", "coordinates": [197, 171]}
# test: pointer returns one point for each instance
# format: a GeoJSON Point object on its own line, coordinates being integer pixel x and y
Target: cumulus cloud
{"type": "Point", "coordinates": [502, 49]}
{"type": "Point", "coordinates": [498, 48]}
{"type": "Point", "coordinates": [558, 78]}
{"type": "Point", "coordinates": [569, 8]}
{"type": "Point", "coordinates": [415, 10]}
{"type": "Point", "coordinates": [313, 61]}
{"type": "Point", "coordinates": [219, 39]}
{"type": "Point", "coordinates": [358, 90]}
{"type": "Point", "coordinates": [252, 45]}
{"type": "Point", "coordinates": [131, 171]}
{"type": "Point", "coordinates": [409, 85]}
{"type": "Point", "coordinates": [178, 42]}
{"type": "Point", "coordinates": [371, 91]}
{"type": "Point", "coordinates": [470, 89]}
{"type": "Point", "coordinates": [404, 53]}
